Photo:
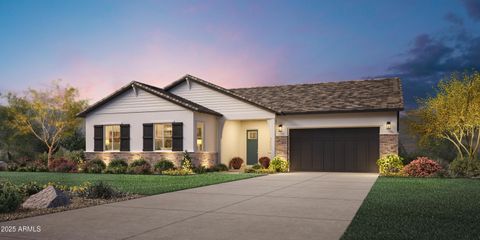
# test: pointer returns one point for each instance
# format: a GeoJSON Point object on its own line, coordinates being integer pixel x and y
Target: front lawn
{"type": "Point", "coordinates": [136, 184]}
{"type": "Point", "coordinates": [416, 208]}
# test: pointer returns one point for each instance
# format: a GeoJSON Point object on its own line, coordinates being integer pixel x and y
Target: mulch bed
{"type": "Point", "coordinates": [75, 203]}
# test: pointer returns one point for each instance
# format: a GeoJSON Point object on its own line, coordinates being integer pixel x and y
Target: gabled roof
{"type": "Point", "coordinates": [155, 91]}
{"type": "Point", "coordinates": [348, 96]}
{"type": "Point", "coordinates": [244, 98]}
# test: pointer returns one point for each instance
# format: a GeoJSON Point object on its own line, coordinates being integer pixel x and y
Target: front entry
{"type": "Point", "coordinates": [252, 147]}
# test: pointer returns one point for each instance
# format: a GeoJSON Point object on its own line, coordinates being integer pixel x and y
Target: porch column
{"type": "Point", "coordinates": [271, 128]}
{"type": "Point", "coordinates": [221, 124]}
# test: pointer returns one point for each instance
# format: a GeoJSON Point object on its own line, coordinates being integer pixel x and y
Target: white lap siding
{"type": "Point", "coordinates": [230, 107]}
{"type": "Point", "coordinates": [137, 108]}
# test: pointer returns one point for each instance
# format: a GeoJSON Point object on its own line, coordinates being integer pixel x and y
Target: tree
{"type": "Point", "coordinates": [50, 114]}
{"type": "Point", "coordinates": [453, 114]}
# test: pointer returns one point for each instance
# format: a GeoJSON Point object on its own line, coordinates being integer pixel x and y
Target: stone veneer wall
{"type": "Point", "coordinates": [207, 159]}
{"type": "Point", "coordinates": [281, 146]}
{"type": "Point", "coordinates": [388, 144]}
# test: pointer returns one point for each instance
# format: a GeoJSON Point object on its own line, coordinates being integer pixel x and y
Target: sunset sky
{"type": "Point", "coordinates": [99, 46]}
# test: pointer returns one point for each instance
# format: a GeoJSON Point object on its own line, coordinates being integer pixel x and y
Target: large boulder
{"type": "Point", "coordinates": [49, 197]}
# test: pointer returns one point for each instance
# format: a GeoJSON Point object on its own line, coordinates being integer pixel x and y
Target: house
{"type": "Point", "coordinates": [335, 126]}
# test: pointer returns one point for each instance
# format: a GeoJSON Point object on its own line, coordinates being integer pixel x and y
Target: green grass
{"type": "Point", "coordinates": [414, 208]}
{"type": "Point", "coordinates": [138, 184]}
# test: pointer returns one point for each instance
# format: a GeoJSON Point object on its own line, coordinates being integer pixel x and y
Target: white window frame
{"type": "Point", "coordinates": [110, 138]}
{"type": "Point", "coordinates": [202, 137]}
{"type": "Point", "coordinates": [162, 138]}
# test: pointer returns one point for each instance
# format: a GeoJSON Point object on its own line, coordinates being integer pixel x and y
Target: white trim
{"type": "Point", "coordinates": [163, 136]}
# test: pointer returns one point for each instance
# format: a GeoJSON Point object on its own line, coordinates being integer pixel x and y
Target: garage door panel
{"type": "Point", "coordinates": [334, 149]}
{"type": "Point", "coordinates": [350, 153]}
{"type": "Point", "coordinates": [339, 156]}
{"type": "Point", "coordinates": [329, 153]}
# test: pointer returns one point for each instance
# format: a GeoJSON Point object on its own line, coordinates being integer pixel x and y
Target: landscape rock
{"type": "Point", "coordinates": [49, 197]}
{"type": "Point", "coordinates": [3, 166]}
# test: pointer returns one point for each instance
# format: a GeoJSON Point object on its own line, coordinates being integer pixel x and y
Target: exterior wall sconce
{"type": "Point", "coordinates": [388, 126]}
{"type": "Point", "coordinates": [280, 128]}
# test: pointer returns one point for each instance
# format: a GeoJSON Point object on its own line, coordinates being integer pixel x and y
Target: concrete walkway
{"type": "Point", "coordinates": [281, 206]}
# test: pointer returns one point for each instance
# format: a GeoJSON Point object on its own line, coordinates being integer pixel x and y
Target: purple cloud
{"type": "Point", "coordinates": [473, 8]}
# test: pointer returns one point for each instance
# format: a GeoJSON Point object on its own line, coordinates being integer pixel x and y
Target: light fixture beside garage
{"type": "Point", "coordinates": [280, 128]}
{"type": "Point", "coordinates": [388, 126]}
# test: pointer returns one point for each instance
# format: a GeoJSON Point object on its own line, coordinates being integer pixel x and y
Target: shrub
{"type": "Point", "coordinates": [40, 166]}
{"type": "Point", "coordinates": [117, 166]}
{"type": "Point", "coordinates": [201, 169]}
{"type": "Point", "coordinates": [462, 167]}
{"type": "Point", "coordinates": [220, 168]}
{"type": "Point", "coordinates": [187, 161]}
{"type": "Point", "coordinates": [257, 166]}
{"type": "Point", "coordinates": [164, 165]}
{"type": "Point", "coordinates": [80, 190]}
{"type": "Point", "coordinates": [236, 163]}
{"type": "Point", "coordinates": [57, 185]}
{"type": "Point", "coordinates": [94, 166]}
{"type": "Point", "coordinates": [260, 170]}
{"type": "Point", "coordinates": [422, 167]}
{"type": "Point", "coordinates": [279, 164]}
{"type": "Point", "coordinates": [390, 165]}
{"type": "Point", "coordinates": [30, 188]}
{"type": "Point", "coordinates": [140, 166]}
{"type": "Point", "coordinates": [76, 156]}
{"type": "Point", "coordinates": [264, 161]}
{"type": "Point", "coordinates": [10, 197]}
{"type": "Point", "coordinates": [178, 172]}
{"type": "Point", "coordinates": [100, 190]}
{"type": "Point", "coordinates": [12, 167]}
{"type": "Point", "coordinates": [62, 165]}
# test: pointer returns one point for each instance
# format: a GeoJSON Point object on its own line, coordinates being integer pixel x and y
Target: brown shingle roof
{"type": "Point", "coordinates": [348, 96]}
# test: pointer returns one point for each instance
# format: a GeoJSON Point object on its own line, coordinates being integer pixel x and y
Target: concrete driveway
{"type": "Point", "coordinates": [281, 206]}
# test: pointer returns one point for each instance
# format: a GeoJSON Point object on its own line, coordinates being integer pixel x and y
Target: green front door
{"type": "Point", "coordinates": [252, 147]}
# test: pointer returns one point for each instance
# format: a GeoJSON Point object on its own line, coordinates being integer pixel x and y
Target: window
{"type": "Point", "coordinates": [112, 138]}
{"type": "Point", "coordinates": [200, 136]}
{"type": "Point", "coordinates": [163, 136]}
{"type": "Point", "coordinates": [252, 135]}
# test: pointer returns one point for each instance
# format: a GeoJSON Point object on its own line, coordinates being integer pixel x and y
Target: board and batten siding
{"type": "Point", "coordinates": [230, 107]}
{"type": "Point", "coordinates": [137, 108]}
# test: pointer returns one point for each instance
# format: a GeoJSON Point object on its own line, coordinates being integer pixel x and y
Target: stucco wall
{"type": "Point", "coordinates": [234, 139]}
{"type": "Point", "coordinates": [339, 120]}
{"type": "Point", "coordinates": [211, 130]}
{"type": "Point", "coordinates": [230, 141]}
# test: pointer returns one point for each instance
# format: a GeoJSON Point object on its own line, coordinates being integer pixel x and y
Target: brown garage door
{"type": "Point", "coordinates": [334, 149]}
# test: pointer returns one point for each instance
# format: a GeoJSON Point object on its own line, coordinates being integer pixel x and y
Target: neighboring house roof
{"type": "Point", "coordinates": [348, 96]}
{"type": "Point", "coordinates": [217, 88]}
{"type": "Point", "coordinates": [155, 91]}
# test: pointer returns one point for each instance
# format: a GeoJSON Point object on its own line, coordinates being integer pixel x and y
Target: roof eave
{"type": "Point", "coordinates": [103, 101]}
{"type": "Point", "coordinates": [344, 111]}
{"type": "Point", "coordinates": [218, 89]}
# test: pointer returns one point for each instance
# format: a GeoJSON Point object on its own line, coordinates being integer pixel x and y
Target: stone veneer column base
{"type": "Point", "coordinates": [281, 146]}
{"type": "Point", "coordinates": [388, 144]}
{"type": "Point", "coordinates": [207, 159]}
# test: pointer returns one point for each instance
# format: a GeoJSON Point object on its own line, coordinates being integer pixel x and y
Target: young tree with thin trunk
{"type": "Point", "coordinates": [49, 114]}
{"type": "Point", "coordinates": [453, 114]}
